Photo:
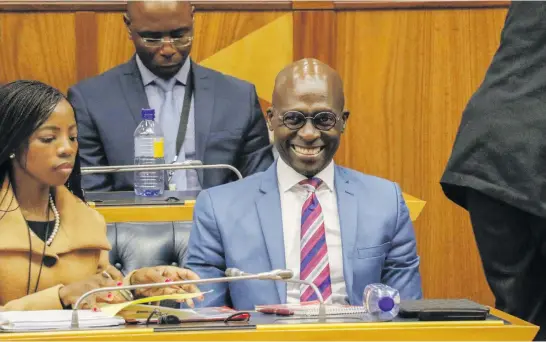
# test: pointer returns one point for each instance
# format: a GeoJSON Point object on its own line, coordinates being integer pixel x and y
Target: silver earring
{"type": "Point", "coordinates": [12, 156]}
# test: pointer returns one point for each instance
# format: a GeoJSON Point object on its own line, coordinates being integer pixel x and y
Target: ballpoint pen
{"type": "Point", "coordinates": [276, 311]}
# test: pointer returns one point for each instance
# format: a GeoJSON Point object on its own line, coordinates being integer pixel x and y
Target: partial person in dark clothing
{"type": "Point", "coordinates": [497, 169]}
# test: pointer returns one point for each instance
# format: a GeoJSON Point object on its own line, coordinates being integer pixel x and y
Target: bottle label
{"type": "Point", "coordinates": [158, 148]}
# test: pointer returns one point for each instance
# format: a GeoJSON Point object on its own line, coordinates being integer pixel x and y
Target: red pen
{"type": "Point", "coordinates": [279, 312]}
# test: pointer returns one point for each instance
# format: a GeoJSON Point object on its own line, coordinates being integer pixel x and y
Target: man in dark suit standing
{"type": "Point", "coordinates": [497, 170]}
{"type": "Point", "coordinates": [204, 114]}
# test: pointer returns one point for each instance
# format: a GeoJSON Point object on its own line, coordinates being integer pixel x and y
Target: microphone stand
{"type": "Point", "coordinates": [158, 167]}
{"type": "Point", "coordinates": [75, 318]}
{"type": "Point", "coordinates": [322, 306]}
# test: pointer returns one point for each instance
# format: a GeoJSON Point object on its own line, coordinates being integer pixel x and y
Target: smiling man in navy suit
{"type": "Point", "coordinates": [204, 114]}
{"type": "Point", "coordinates": [333, 226]}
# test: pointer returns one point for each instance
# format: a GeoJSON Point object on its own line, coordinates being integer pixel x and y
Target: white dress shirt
{"type": "Point", "coordinates": [293, 196]}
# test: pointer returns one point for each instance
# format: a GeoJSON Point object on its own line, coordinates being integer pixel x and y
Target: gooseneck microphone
{"type": "Point", "coordinates": [286, 276]}
{"type": "Point", "coordinates": [273, 275]}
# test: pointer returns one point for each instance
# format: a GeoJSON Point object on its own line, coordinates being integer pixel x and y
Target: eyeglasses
{"type": "Point", "coordinates": [323, 121]}
{"type": "Point", "coordinates": [158, 42]}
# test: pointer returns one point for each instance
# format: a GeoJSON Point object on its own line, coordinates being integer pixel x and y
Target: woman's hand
{"type": "Point", "coordinates": [69, 294]}
{"type": "Point", "coordinates": [164, 274]}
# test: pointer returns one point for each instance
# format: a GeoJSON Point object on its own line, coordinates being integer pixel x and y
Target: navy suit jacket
{"type": "Point", "coordinates": [229, 125]}
{"type": "Point", "coordinates": [240, 225]}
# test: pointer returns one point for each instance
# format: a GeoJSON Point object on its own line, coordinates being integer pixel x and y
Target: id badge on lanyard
{"type": "Point", "coordinates": [172, 184]}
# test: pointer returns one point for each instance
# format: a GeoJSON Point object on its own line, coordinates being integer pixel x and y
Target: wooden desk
{"type": "Point", "coordinates": [146, 213]}
{"type": "Point", "coordinates": [518, 330]}
{"type": "Point", "coordinates": [184, 212]}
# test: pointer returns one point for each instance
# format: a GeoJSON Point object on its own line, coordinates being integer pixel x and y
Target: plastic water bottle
{"type": "Point", "coordinates": [382, 302]}
{"type": "Point", "coordinates": [149, 150]}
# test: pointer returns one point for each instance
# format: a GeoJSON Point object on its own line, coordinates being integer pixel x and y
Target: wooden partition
{"type": "Point", "coordinates": [408, 69]}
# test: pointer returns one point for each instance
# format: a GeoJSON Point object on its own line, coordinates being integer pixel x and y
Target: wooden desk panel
{"type": "Point", "coordinates": [517, 330]}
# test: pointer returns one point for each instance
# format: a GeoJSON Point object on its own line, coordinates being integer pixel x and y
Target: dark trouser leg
{"type": "Point", "coordinates": [511, 246]}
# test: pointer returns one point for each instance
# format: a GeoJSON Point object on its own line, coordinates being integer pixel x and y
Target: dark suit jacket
{"type": "Point", "coordinates": [500, 148]}
{"type": "Point", "coordinates": [229, 125]}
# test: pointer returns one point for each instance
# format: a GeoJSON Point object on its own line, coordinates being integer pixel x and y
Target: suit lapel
{"type": "Point", "coordinates": [270, 214]}
{"type": "Point", "coordinates": [133, 89]}
{"type": "Point", "coordinates": [347, 208]}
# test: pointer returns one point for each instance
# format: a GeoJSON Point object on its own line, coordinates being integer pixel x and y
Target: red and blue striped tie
{"type": "Point", "coordinates": [314, 266]}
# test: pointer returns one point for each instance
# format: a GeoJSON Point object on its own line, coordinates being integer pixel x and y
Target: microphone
{"type": "Point", "coordinates": [286, 276]}
{"type": "Point", "coordinates": [273, 275]}
{"type": "Point", "coordinates": [186, 165]}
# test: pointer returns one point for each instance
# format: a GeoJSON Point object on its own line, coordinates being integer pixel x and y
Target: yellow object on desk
{"type": "Point", "coordinates": [114, 309]}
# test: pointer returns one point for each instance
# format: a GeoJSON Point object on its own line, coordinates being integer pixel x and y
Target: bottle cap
{"type": "Point", "coordinates": [148, 113]}
{"type": "Point", "coordinates": [386, 304]}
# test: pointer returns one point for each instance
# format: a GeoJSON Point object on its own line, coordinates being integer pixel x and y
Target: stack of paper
{"type": "Point", "coordinates": [54, 319]}
{"type": "Point", "coordinates": [108, 316]}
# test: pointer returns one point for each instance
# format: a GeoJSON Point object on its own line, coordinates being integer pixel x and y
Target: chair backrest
{"type": "Point", "coordinates": [142, 244]}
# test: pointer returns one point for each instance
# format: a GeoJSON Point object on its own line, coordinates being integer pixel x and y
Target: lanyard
{"type": "Point", "coordinates": [183, 126]}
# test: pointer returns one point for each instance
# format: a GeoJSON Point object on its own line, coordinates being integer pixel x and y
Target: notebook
{"type": "Point", "coordinates": [312, 309]}
{"type": "Point", "coordinates": [13, 321]}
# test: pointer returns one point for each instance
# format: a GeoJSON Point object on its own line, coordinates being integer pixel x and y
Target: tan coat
{"type": "Point", "coordinates": [80, 247]}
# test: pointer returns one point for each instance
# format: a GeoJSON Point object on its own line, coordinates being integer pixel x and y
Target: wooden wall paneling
{"type": "Point", "coordinates": [423, 5]}
{"type": "Point", "coordinates": [248, 5]}
{"type": "Point", "coordinates": [113, 44]}
{"type": "Point", "coordinates": [86, 45]}
{"type": "Point", "coordinates": [315, 35]}
{"type": "Point", "coordinates": [215, 31]}
{"type": "Point", "coordinates": [312, 5]}
{"type": "Point", "coordinates": [40, 46]}
{"type": "Point", "coordinates": [408, 76]}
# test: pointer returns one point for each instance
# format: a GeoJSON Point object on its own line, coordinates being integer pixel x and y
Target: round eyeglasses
{"type": "Point", "coordinates": [323, 121]}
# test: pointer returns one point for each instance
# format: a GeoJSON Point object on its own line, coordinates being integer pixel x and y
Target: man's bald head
{"type": "Point", "coordinates": [309, 73]}
{"type": "Point", "coordinates": [158, 7]}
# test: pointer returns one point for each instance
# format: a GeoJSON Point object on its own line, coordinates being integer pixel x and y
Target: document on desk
{"type": "Point", "coordinates": [54, 319]}
{"type": "Point", "coordinates": [112, 310]}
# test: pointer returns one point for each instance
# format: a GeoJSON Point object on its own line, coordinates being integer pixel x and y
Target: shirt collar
{"type": "Point", "coordinates": [149, 77]}
{"type": "Point", "coordinates": [287, 177]}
